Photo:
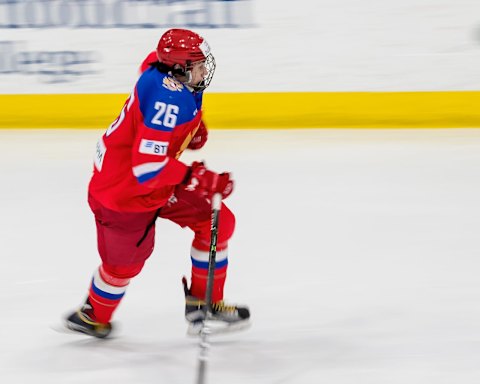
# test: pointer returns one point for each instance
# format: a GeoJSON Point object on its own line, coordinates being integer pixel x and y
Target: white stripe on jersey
{"type": "Point", "coordinates": [145, 168]}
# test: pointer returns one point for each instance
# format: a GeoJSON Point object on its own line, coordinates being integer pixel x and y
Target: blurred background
{"type": "Point", "coordinates": [304, 52]}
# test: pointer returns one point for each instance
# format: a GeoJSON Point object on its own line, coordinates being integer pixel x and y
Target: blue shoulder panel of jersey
{"type": "Point", "coordinates": [164, 101]}
{"type": "Point", "coordinates": [198, 99]}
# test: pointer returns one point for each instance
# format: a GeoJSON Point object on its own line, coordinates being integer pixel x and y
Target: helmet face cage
{"type": "Point", "coordinates": [210, 66]}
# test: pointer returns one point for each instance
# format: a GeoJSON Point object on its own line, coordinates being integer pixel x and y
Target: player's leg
{"type": "Point", "coordinates": [125, 241]}
{"type": "Point", "coordinates": [188, 209]}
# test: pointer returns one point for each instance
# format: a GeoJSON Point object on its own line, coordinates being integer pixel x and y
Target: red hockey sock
{"type": "Point", "coordinates": [200, 273]}
{"type": "Point", "coordinates": [106, 292]}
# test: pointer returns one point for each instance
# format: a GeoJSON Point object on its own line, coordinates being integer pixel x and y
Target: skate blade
{"type": "Point", "coordinates": [216, 327]}
{"type": "Point", "coordinates": [73, 329]}
{"type": "Point", "coordinates": [63, 328]}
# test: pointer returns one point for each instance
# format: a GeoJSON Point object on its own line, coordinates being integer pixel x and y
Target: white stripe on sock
{"type": "Point", "coordinates": [203, 256]}
{"type": "Point", "coordinates": [105, 287]}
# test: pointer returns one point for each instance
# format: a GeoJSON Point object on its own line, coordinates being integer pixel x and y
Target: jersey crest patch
{"type": "Point", "coordinates": [172, 84]}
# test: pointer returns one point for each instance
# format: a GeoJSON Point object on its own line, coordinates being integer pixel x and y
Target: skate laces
{"type": "Point", "coordinates": [86, 318]}
{"type": "Point", "coordinates": [220, 306]}
{"type": "Point", "coordinates": [86, 315]}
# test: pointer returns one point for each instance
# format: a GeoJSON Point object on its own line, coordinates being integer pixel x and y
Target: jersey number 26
{"type": "Point", "coordinates": [166, 115]}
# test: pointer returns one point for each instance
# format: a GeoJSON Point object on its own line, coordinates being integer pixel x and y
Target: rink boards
{"type": "Point", "coordinates": [260, 110]}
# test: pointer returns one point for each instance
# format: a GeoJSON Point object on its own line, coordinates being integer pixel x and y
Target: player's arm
{"type": "Point", "coordinates": [201, 136]}
{"type": "Point", "coordinates": [151, 164]}
{"type": "Point", "coordinates": [154, 163]}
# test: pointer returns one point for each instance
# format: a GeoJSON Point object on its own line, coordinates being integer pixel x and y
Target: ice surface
{"type": "Point", "coordinates": [357, 251]}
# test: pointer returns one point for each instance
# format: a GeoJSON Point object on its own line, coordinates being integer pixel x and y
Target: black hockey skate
{"type": "Point", "coordinates": [223, 317]}
{"type": "Point", "coordinates": [81, 321]}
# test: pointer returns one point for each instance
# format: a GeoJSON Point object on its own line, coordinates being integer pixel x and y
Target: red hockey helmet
{"type": "Point", "coordinates": [184, 47]}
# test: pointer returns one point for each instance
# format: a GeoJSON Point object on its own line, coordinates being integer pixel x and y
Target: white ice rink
{"type": "Point", "coordinates": [358, 252]}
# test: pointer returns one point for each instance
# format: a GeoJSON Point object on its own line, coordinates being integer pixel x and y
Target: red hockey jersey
{"type": "Point", "coordinates": [136, 164]}
{"type": "Point", "coordinates": [150, 59]}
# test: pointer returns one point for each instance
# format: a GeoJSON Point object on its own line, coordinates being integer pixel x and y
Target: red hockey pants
{"type": "Point", "coordinates": [126, 239]}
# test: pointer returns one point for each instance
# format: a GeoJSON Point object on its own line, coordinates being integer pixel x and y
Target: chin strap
{"type": "Point", "coordinates": [188, 76]}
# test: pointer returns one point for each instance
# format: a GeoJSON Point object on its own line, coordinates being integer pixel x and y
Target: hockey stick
{"type": "Point", "coordinates": [205, 331]}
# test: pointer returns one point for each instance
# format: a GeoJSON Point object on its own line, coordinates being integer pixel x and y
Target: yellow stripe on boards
{"type": "Point", "coordinates": [261, 110]}
{"type": "Point", "coordinates": [60, 110]}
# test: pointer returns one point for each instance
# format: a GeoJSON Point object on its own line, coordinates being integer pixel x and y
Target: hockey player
{"type": "Point", "coordinates": [138, 177]}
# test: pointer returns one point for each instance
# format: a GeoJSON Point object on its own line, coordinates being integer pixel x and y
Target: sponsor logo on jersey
{"type": "Point", "coordinates": [172, 84]}
{"type": "Point", "coordinates": [100, 154]}
{"type": "Point", "coordinates": [152, 147]}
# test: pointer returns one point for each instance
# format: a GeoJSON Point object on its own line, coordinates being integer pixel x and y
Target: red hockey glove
{"type": "Point", "coordinates": [206, 182]}
{"type": "Point", "coordinates": [200, 137]}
